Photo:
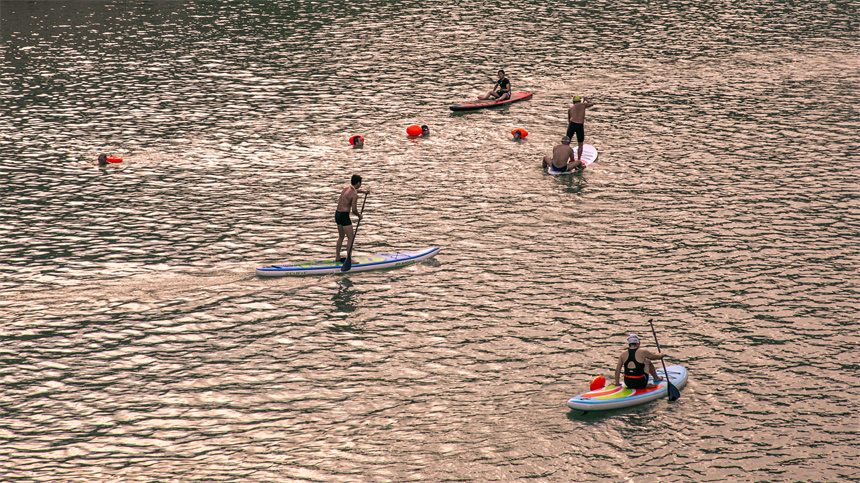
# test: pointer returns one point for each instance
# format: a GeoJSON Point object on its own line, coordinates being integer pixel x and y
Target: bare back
{"type": "Point", "coordinates": [348, 200]}
{"type": "Point", "coordinates": [576, 113]}
{"type": "Point", "coordinates": [561, 155]}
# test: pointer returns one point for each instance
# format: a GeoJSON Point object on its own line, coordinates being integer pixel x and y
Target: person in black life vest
{"type": "Point", "coordinates": [501, 90]}
{"type": "Point", "coordinates": [637, 365]}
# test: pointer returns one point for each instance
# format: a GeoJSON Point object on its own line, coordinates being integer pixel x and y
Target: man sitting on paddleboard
{"type": "Point", "coordinates": [576, 117]}
{"type": "Point", "coordinates": [562, 160]}
{"type": "Point", "coordinates": [347, 202]}
{"type": "Point", "coordinates": [637, 365]}
{"type": "Point", "coordinates": [501, 90]}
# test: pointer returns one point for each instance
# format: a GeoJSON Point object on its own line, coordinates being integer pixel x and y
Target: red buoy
{"type": "Point", "coordinates": [414, 130]}
{"type": "Point", "coordinates": [114, 159]}
{"type": "Point", "coordinates": [598, 382]}
{"type": "Point", "coordinates": [352, 139]}
{"type": "Point", "coordinates": [523, 133]}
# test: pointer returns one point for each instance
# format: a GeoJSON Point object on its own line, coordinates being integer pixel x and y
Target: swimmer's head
{"type": "Point", "coordinates": [576, 98]}
{"type": "Point", "coordinates": [102, 159]}
{"type": "Point", "coordinates": [425, 130]}
{"type": "Point", "coordinates": [565, 140]}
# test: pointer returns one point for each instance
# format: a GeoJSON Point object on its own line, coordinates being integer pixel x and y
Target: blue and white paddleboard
{"type": "Point", "coordinates": [360, 263]}
{"type": "Point", "coordinates": [589, 155]}
{"type": "Point", "coordinates": [613, 397]}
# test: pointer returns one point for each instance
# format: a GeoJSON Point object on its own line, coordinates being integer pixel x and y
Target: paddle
{"type": "Point", "coordinates": [347, 264]}
{"type": "Point", "coordinates": [673, 391]}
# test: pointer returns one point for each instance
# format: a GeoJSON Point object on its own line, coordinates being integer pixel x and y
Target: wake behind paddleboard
{"type": "Point", "coordinates": [472, 105]}
{"type": "Point", "coordinates": [360, 263]}
{"type": "Point", "coordinates": [589, 155]}
{"type": "Point", "coordinates": [613, 397]}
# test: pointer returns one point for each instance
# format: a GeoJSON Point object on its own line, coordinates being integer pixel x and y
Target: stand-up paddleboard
{"type": "Point", "coordinates": [360, 263]}
{"type": "Point", "coordinates": [589, 155]}
{"type": "Point", "coordinates": [613, 397]}
{"type": "Point", "coordinates": [472, 105]}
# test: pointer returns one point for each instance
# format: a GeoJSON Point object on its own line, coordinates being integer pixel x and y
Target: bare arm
{"type": "Point", "coordinates": [355, 206]}
{"type": "Point", "coordinates": [618, 369]}
{"type": "Point", "coordinates": [652, 356]}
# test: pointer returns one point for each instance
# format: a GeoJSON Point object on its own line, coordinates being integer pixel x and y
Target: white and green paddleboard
{"type": "Point", "coordinates": [360, 263]}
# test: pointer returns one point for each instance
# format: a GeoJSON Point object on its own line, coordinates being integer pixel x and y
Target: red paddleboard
{"type": "Point", "coordinates": [472, 105]}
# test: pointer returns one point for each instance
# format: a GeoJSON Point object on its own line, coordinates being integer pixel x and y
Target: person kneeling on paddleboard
{"type": "Point", "coordinates": [501, 90]}
{"type": "Point", "coordinates": [562, 159]}
{"type": "Point", "coordinates": [347, 202]}
{"type": "Point", "coordinates": [637, 365]}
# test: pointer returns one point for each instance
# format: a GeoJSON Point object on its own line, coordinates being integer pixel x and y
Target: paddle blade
{"type": "Point", "coordinates": [674, 393]}
{"type": "Point", "coordinates": [347, 264]}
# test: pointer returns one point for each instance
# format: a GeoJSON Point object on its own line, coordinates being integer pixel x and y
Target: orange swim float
{"type": "Point", "coordinates": [414, 130]}
{"type": "Point", "coordinates": [523, 132]}
{"type": "Point", "coordinates": [114, 159]}
{"type": "Point", "coordinates": [352, 139]}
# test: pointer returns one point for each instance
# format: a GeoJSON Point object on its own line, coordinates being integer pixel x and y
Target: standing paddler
{"type": "Point", "coordinates": [347, 202]}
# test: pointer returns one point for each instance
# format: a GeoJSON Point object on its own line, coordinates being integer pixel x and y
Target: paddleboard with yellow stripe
{"type": "Point", "coordinates": [360, 263]}
{"type": "Point", "coordinates": [613, 397]}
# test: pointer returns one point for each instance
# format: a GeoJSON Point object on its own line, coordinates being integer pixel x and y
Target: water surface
{"type": "Point", "coordinates": [138, 345]}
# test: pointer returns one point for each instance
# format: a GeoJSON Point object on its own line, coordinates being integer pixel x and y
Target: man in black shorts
{"type": "Point", "coordinates": [347, 202]}
{"type": "Point", "coordinates": [501, 90]}
{"type": "Point", "coordinates": [576, 117]}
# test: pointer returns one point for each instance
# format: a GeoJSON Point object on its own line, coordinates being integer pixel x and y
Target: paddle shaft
{"type": "Point", "coordinates": [347, 264]}
{"type": "Point", "coordinates": [671, 391]}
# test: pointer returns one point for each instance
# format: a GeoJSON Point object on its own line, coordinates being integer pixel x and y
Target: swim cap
{"type": "Point", "coordinates": [576, 99]}
{"type": "Point", "coordinates": [632, 339]}
{"type": "Point", "coordinates": [565, 139]}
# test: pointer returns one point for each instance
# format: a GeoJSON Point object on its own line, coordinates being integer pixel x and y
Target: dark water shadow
{"type": "Point", "coordinates": [344, 298]}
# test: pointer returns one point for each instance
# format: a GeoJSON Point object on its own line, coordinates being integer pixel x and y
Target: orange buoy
{"type": "Point", "coordinates": [598, 382]}
{"type": "Point", "coordinates": [352, 139]}
{"type": "Point", "coordinates": [414, 130]}
{"type": "Point", "coordinates": [523, 133]}
{"type": "Point", "coordinates": [114, 159]}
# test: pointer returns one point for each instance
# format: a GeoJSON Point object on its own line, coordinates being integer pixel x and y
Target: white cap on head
{"type": "Point", "coordinates": [632, 339]}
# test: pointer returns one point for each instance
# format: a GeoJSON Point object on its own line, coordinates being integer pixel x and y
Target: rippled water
{"type": "Point", "coordinates": [138, 345]}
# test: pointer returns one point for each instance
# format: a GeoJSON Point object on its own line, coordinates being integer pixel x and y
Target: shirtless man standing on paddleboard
{"type": "Point", "coordinates": [562, 160]}
{"type": "Point", "coordinates": [576, 118]}
{"type": "Point", "coordinates": [347, 202]}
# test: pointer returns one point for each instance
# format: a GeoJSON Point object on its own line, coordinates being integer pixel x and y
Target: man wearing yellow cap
{"type": "Point", "coordinates": [576, 116]}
